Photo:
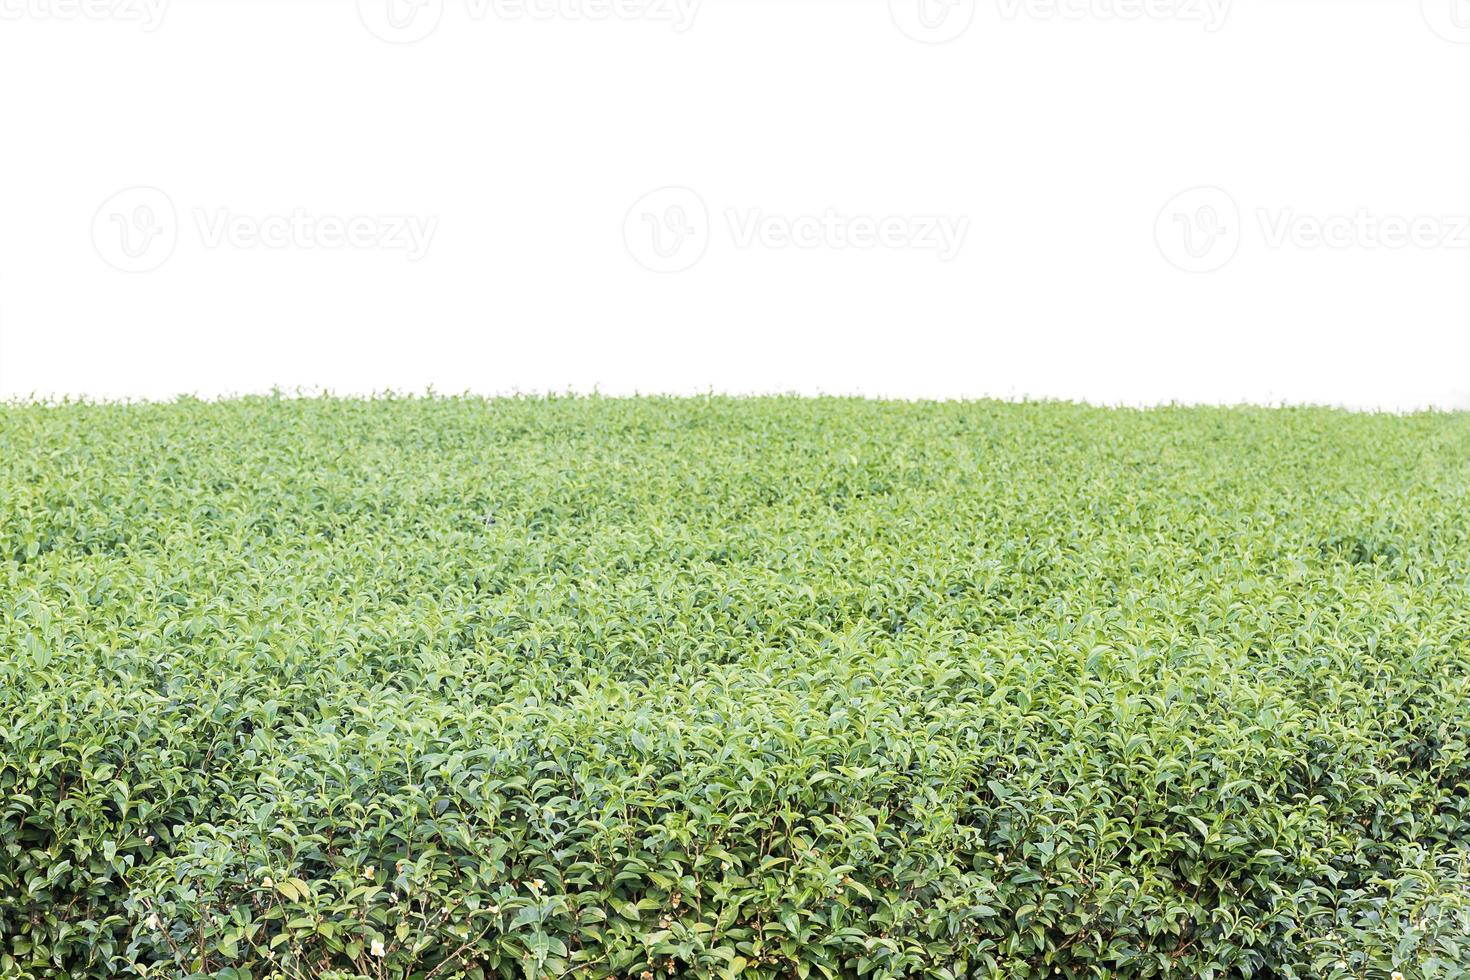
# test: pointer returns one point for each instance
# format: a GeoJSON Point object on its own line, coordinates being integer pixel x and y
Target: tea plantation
{"type": "Point", "coordinates": [451, 687]}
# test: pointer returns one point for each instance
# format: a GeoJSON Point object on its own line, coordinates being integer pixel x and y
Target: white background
{"type": "Point", "coordinates": [528, 143]}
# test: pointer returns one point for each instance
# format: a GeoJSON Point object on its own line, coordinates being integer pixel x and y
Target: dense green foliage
{"type": "Point", "coordinates": [709, 687]}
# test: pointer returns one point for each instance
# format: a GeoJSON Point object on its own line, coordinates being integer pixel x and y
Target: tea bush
{"type": "Point", "coordinates": [444, 688]}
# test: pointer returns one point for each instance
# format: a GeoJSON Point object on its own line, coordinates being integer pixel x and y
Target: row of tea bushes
{"type": "Point", "coordinates": [771, 688]}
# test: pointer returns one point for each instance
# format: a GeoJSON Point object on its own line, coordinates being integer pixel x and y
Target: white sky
{"type": "Point", "coordinates": [516, 154]}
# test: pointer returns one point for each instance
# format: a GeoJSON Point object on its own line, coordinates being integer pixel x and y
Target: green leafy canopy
{"type": "Point", "coordinates": [711, 687]}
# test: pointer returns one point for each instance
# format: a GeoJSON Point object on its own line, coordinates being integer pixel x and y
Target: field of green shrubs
{"type": "Point", "coordinates": [450, 687]}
